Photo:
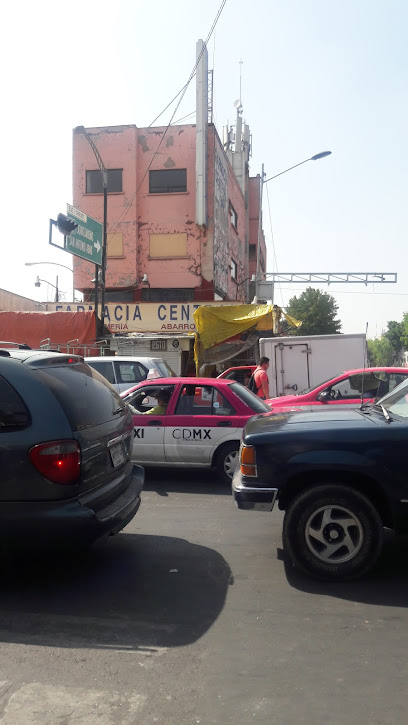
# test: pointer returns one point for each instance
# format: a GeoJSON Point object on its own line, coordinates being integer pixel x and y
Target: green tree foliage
{"type": "Point", "coordinates": [386, 350]}
{"type": "Point", "coordinates": [317, 310]}
{"type": "Point", "coordinates": [404, 333]}
{"type": "Point", "coordinates": [380, 352]}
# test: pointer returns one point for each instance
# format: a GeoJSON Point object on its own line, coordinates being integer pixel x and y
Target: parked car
{"type": "Point", "coordinates": [340, 476]}
{"type": "Point", "coordinates": [201, 426]}
{"type": "Point", "coordinates": [123, 371]}
{"type": "Point", "coordinates": [66, 442]}
{"type": "Point", "coordinates": [350, 388]}
{"type": "Point", "coordinates": [241, 373]}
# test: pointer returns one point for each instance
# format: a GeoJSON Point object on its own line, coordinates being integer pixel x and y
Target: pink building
{"type": "Point", "coordinates": [182, 212]}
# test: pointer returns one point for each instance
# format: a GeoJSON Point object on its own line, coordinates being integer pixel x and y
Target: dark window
{"type": "Point", "coordinates": [105, 369]}
{"type": "Point", "coordinates": [85, 396]}
{"type": "Point", "coordinates": [233, 216]}
{"type": "Point", "coordinates": [167, 181]}
{"type": "Point", "coordinates": [94, 181]}
{"type": "Point", "coordinates": [120, 296]}
{"type": "Point", "coordinates": [252, 252]}
{"type": "Point", "coordinates": [234, 269]}
{"type": "Point", "coordinates": [130, 372]}
{"type": "Point", "coordinates": [167, 295]}
{"type": "Point", "coordinates": [13, 413]}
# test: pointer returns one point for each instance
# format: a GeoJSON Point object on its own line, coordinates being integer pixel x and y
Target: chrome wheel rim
{"type": "Point", "coordinates": [230, 463]}
{"type": "Point", "coordinates": [334, 534]}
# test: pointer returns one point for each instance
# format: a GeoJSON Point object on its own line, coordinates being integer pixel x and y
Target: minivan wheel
{"type": "Point", "coordinates": [333, 532]}
{"type": "Point", "coordinates": [227, 460]}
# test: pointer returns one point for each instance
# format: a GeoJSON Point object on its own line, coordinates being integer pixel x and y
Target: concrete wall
{"type": "Point", "coordinates": [10, 302]}
{"type": "Point", "coordinates": [117, 148]}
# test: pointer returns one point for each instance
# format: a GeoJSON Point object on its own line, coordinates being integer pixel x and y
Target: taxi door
{"type": "Point", "coordinates": [148, 443]}
{"type": "Point", "coordinates": [203, 419]}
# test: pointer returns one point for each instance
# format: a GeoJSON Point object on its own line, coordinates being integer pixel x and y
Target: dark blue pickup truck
{"type": "Point", "coordinates": [340, 476]}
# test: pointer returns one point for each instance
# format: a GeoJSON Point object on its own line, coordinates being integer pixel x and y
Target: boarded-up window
{"type": "Point", "coordinates": [168, 245]}
{"type": "Point", "coordinates": [114, 245]}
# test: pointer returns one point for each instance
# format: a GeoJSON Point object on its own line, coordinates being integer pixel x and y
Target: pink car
{"type": "Point", "coordinates": [195, 422]}
{"type": "Point", "coordinates": [344, 389]}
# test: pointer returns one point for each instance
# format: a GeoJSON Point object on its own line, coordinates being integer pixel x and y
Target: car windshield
{"type": "Point", "coordinates": [250, 399]}
{"type": "Point", "coordinates": [309, 390]}
{"type": "Point", "coordinates": [397, 401]}
{"type": "Point", "coordinates": [164, 369]}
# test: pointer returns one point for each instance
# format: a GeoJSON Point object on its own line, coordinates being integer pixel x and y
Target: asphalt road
{"type": "Point", "coordinates": [192, 616]}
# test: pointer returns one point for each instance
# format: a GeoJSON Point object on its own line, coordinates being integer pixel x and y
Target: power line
{"type": "Point", "coordinates": [183, 91]}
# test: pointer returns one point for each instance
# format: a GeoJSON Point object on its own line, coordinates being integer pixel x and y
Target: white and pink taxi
{"type": "Point", "coordinates": [195, 422]}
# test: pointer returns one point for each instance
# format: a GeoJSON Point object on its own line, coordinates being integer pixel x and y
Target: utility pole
{"type": "Point", "coordinates": [104, 178]}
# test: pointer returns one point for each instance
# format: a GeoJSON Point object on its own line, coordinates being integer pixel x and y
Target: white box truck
{"type": "Point", "coordinates": [297, 363]}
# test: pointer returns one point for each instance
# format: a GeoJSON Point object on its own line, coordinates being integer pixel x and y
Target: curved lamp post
{"type": "Point", "coordinates": [38, 284]}
{"type": "Point", "coordinates": [55, 264]}
{"type": "Point", "coordinates": [316, 157]}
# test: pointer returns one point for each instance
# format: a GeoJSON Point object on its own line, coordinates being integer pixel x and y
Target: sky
{"type": "Point", "coordinates": [316, 75]}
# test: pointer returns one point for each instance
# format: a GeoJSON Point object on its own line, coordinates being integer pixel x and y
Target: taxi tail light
{"type": "Point", "coordinates": [248, 461]}
{"type": "Point", "coordinates": [59, 461]}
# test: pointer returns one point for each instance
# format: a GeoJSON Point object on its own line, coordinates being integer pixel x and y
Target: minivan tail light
{"type": "Point", "coordinates": [59, 461]}
{"type": "Point", "coordinates": [248, 461]}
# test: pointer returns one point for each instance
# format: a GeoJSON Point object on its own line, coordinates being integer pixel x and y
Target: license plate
{"type": "Point", "coordinates": [118, 454]}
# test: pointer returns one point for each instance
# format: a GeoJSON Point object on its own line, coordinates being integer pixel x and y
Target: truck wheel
{"type": "Point", "coordinates": [227, 460]}
{"type": "Point", "coordinates": [333, 532]}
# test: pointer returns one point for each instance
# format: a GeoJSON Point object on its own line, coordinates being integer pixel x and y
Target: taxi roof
{"type": "Point", "coordinates": [187, 381]}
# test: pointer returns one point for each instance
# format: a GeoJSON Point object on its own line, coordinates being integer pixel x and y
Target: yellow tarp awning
{"type": "Point", "coordinates": [217, 324]}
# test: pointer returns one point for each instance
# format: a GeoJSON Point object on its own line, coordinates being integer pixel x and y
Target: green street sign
{"type": "Point", "coordinates": [86, 240]}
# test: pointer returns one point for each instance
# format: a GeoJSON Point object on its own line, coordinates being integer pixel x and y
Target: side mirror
{"type": "Point", "coordinates": [324, 396]}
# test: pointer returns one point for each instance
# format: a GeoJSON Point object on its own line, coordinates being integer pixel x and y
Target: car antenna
{"type": "Point", "coordinates": [364, 366]}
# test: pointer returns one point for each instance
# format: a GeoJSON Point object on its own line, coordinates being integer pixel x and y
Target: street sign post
{"type": "Point", "coordinates": [86, 240]}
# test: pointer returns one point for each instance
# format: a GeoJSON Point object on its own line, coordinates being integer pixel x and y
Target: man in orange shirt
{"type": "Point", "coordinates": [260, 379]}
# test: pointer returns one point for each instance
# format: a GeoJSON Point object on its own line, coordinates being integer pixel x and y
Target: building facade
{"type": "Point", "coordinates": [181, 208]}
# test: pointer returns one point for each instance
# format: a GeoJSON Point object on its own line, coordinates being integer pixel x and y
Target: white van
{"type": "Point", "coordinates": [123, 372]}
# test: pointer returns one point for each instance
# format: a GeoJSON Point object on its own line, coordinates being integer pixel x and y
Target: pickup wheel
{"type": "Point", "coordinates": [227, 460]}
{"type": "Point", "coordinates": [333, 532]}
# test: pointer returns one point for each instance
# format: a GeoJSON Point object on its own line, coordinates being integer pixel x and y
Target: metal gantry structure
{"type": "Point", "coordinates": [265, 289]}
{"type": "Point", "coordinates": [332, 277]}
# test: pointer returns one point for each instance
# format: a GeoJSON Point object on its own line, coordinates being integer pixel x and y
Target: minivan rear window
{"type": "Point", "coordinates": [85, 396]}
{"type": "Point", "coordinates": [13, 412]}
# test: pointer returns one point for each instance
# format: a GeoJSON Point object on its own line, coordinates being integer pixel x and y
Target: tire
{"type": "Point", "coordinates": [333, 532]}
{"type": "Point", "coordinates": [226, 461]}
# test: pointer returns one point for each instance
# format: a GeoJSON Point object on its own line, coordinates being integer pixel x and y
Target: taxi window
{"type": "Point", "coordinates": [203, 400]}
{"type": "Point", "coordinates": [144, 399]}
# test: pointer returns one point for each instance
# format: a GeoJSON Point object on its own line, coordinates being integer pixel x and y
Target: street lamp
{"type": "Point", "coordinates": [316, 157]}
{"type": "Point", "coordinates": [38, 281]}
{"type": "Point", "coordinates": [104, 177]}
{"type": "Point", "coordinates": [56, 264]}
